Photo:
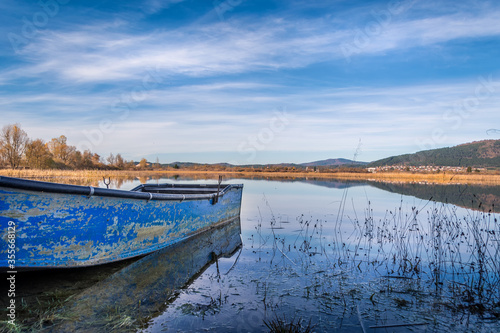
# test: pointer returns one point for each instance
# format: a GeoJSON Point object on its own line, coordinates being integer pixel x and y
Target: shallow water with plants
{"type": "Point", "coordinates": [314, 255]}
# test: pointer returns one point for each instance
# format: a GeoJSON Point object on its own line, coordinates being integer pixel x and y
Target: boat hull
{"type": "Point", "coordinates": [55, 230]}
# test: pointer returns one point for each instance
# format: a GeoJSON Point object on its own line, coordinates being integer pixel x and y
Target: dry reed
{"type": "Point", "coordinates": [400, 177]}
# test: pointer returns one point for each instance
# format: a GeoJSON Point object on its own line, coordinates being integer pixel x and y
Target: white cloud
{"type": "Point", "coordinates": [211, 118]}
{"type": "Point", "coordinates": [101, 54]}
{"type": "Point", "coordinates": [407, 34]}
{"type": "Point", "coordinates": [154, 6]}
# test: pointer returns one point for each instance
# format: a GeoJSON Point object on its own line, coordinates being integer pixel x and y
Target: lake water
{"type": "Point", "coordinates": [335, 256]}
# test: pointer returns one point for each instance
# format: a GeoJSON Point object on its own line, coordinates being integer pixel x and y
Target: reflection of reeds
{"type": "Point", "coordinates": [282, 325]}
{"type": "Point", "coordinates": [442, 258]}
{"type": "Point", "coordinates": [459, 255]}
{"type": "Point", "coordinates": [33, 318]}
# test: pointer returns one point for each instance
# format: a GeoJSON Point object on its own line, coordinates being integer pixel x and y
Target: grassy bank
{"type": "Point", "coordinates": [402, 177]}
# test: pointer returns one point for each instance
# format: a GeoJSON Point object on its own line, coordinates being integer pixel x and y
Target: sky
{"type": "Point", "coordinates": [249, 82]}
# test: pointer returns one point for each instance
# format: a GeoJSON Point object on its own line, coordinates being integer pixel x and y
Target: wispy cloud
{"type": "Point", "coordinates": [107, 54]}
{"type": "Point", "coordinates": [406, 34]}
{"type": "Point", "coordinates": [221, 116]}
{"type": "Point", "coordinates": [154, 6]}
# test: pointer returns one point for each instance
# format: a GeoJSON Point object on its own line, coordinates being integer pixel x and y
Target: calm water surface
{"type": "Point", "coordinates": [345, 256]}
{"type": "Point", "coordinates": [342, 257]}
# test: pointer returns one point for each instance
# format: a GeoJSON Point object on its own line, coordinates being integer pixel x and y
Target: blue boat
{"type": "Point", "coordinates": [49, 225]}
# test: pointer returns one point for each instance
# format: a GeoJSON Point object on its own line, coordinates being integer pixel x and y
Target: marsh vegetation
{"type": "Point", "coordinates": [93, 177]}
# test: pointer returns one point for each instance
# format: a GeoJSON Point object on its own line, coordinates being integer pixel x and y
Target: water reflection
{"type": "Point", "coordinates": [483, 198]}
{"type": "Point", "coordinates": [476, 197]}
{"type": "Point", "coordinates": [348, 257]}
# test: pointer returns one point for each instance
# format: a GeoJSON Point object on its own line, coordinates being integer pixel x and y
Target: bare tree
{"type": "Point", "coordinates": [13, 142]}
{"type": "Point", "coordinates": [111, 159]}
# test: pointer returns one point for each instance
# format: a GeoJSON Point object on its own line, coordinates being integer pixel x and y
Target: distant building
{"type": "Point", "coordinates": [422, 168]}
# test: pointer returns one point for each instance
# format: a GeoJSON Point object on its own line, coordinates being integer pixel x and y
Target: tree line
{"type": "Point", "coordinates": [17, 150]}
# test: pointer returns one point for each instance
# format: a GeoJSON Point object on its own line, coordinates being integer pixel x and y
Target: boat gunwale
{"type": "Point", "coordinates": [136, 193]}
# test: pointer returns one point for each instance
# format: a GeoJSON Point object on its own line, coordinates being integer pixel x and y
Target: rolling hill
{"type": "Point", "coordinates": [333, 162]}
{"type": "Point", "coordinates": [484, 153]}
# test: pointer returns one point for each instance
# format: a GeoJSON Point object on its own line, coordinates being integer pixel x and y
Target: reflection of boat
{"type": "Point", "coordinates": [128, 297]}
{"type": "Point", "coordinates": [58, 225]}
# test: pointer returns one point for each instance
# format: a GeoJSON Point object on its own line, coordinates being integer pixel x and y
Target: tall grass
{"type": "Point", "coordinates": [401, 177]}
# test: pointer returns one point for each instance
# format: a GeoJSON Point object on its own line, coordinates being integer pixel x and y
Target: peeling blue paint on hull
{"type": "Point", "coordinates": [60, 225]}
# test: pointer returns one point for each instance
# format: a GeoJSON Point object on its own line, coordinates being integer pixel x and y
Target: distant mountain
{"type": "Point", "coordinates": [191, 164]}
{"type": "Point", "coordinates": [333, 162]}
{"type": "Point", "coordinates": [484, 153]}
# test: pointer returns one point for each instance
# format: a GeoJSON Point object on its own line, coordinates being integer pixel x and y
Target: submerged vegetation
{"type": "Point", "coordinates": [414, 261]}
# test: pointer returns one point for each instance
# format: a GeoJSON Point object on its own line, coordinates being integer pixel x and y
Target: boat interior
{"type": "Point", "coordinates": [180, 188]}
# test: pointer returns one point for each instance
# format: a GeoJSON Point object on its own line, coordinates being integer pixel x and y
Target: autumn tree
{"type": "Point", "coordinates": [38, 155]}
{"type": "Point", "coordinates": [13, 142]}
{"type": "Point", "coordinates": [87, 160]}
{"type": "Point", "coordinates": [143, 164]}
{"type": "Point", "coordinates": [17, 149]}
{"type": "Point", "coordinates": [60, 149]}
{"type": "Point", "coordinates": [130, 165]}
{"type": "Point", "coordinates": [96, 160]}
{"type": "Point", "coordinates": [76, 160]}
{"type": "Point", "coordinates": [119, 161]}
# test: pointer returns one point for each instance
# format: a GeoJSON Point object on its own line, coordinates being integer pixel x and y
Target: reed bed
{"type": "Point", "coordinates": [435, 178]}
{"type": "Point", "coordinates": [394, 177]}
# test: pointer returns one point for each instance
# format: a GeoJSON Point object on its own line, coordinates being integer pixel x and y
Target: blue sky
{"type": "Point", "coordinates": [244, 81]}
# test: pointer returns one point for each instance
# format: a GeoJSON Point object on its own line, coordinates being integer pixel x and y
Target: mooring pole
{"type": "Point", "coordinates": [104, 181]}
{"type": "Point", "coordinates": [218, 189]}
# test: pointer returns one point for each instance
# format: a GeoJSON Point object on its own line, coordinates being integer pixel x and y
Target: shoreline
{"type": "Point", "coordinates": [386, 177]}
